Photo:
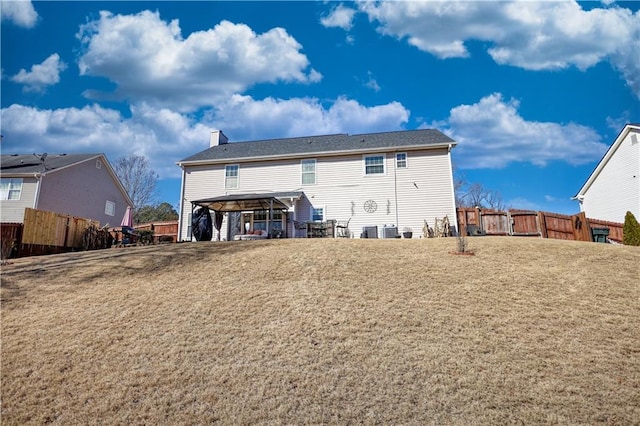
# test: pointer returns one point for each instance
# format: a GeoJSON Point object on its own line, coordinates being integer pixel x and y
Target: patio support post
{"type": "Point", "coordinates": [270, 217]}
{"type": "Point", "coordinates": [190, 225]}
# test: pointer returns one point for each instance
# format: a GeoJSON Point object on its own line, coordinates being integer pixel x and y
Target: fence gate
{"type": "Point", "coordinates": [495, 222]}
{"type": "Point", "coordinates": [525, 223]}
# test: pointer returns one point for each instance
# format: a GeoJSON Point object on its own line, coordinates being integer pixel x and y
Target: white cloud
{"type": "Point", "coordinates": [340, 17]}
{"type": "Point", "coordinates": [151, 61]}
{"type": "Point", "coordinates": [546, 35]}
{"type": "Point", "coordinates": [492, 134]}
{"type": "Point", "coordinates": [521, 203]}
{"type": "Point", "coordinates": [372, 83]}
{"type": "Point", "coordinates": [166, 136]}
{"type": "Point", "coordinates": [243, 118]}
{"type": "Point", "coordinates": [20, 12]}
{"type": "Point", "coordinates": [41, 75]}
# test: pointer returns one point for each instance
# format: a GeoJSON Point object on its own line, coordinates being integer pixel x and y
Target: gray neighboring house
{"type": "Point", "coordinates": [81, 185]}
{"type": "Point", "coordinates": [391, 179]}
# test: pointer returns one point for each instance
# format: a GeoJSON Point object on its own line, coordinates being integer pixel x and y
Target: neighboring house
{"type": "Point", "coordinates": [613, 188]}
{"type": "Point", "coordinates": [81, 185]}
{"type": "Point", "coordinates": [384, 180]}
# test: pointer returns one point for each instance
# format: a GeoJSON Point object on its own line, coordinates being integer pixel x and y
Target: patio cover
{"type": "Point", "coordinates": [246, 202]}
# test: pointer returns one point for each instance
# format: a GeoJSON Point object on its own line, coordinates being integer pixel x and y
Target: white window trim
{"type": "Point", "coordinates": [237, 177]}
{"type": "Point", "coordinates": [384, 164]}
{"type": "Point", "coordinates": [324, 213]}
{"type": "Point", "coordinates": [406, 160]}
{"type": "Point", "coordinates": [110, 208]}
{"type": "Point", "coordinates": [315, 172]}
{"type": "Point", "coordinates": [11, 182]}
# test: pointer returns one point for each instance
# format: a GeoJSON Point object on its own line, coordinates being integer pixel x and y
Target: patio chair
{"type": "Point", "coordinates": [342, 229]}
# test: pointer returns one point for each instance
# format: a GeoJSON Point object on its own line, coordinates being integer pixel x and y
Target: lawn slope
{"type": "Point", "coordinates": [324, 331]}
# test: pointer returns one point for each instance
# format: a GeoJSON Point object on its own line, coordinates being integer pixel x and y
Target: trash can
{"type": "Point", "coordinates": [600, 234]}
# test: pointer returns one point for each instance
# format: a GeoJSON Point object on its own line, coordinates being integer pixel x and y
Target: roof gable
{"type": "Point", "coordinates": [607, 156]}
{"type": "Point", "coordinates": [325, 144]}
{"type": "Point", "coordinates": [20, 165]}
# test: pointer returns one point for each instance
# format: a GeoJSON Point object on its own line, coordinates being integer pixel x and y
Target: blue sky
{"type": "Point", "coordinates": [533, 92]}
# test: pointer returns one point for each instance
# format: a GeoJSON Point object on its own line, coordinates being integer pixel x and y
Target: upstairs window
{"type": "Point", "coordinates": [231, 176]}
{"type": "Point", "coordinates": [308, 172]}
{"type": "Point", "coordinates": [10, 188]}
{"type": "Point", "coordinates": [374, 164]}
{"type": "Point", "coordinates": [110, 208]}
{"type": "Point", "coordinates": [401, 160]}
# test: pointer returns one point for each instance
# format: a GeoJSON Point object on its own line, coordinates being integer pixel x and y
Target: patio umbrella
{"type": "Point", "coordinates": [127, 219]}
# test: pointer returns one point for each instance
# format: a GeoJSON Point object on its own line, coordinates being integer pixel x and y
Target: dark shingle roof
{"type": "Point", "coordinates": [30, 163]}
{"type": "Point", "coordinates": [309, 145]}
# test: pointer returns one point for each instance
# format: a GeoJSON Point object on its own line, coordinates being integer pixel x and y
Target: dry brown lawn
{"type": "Point", "coordinates": [526, 331]}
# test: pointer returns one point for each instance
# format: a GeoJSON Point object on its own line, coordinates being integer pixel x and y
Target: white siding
{"type": "Point", "coordinates": [13, 210]}
{"type": "Point", "coordinates": [616, 189]}
{"type": "Point", "coordinates": [424, 189]}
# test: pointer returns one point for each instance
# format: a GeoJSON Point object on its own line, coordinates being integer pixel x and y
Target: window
{"type": "Point", "coordinates": [110, 208]}
{"type": "Point", "coordinates": [374, 164]}
{"type": "Point", "coordinates": [260, 220]}
{"type": "Point", "coordinates": [317, 214]}
{"type": "Point", "coordinates": [231, 176]}
{"type": "Point", "coordinates": [401, 160]}
{"type": "Point", "coordinates": [308, 172]}
{"type": "Point", "coordinates": [98, 164]}
{"type": "Point", "coordinates": [10, 188]}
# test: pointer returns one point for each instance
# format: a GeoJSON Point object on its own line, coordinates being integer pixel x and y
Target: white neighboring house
{"type": "Point", "coordinates": [613, 188]}
{"type": "Point", "coordinates": [384, 180]}
{"type": "Point", "coordinates": [81, 185]}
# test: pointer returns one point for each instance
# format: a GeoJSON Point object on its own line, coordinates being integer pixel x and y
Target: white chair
{"type": "Point", "coordinates": [342, 229]}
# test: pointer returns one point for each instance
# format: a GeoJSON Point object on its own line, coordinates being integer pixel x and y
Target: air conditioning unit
{"type": "Point", "coordinates": [369, 232]}
{"type": "Point", "coordinates": [389, 231]}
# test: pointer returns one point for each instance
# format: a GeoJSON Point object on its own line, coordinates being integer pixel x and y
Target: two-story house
{"type": "Point", "coordinates": [81, 185]}
{"type": "Point", "coordinates": [379, 180]}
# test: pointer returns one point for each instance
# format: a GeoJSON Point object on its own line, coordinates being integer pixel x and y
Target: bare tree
{"type": "Point", "coordinates": [476, 195]}
{"type": "Point", "coordinates": [140, 181]}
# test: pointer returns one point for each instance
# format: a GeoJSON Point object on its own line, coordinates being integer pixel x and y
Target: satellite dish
{"type": "Point", "coordinates": [43, 157]}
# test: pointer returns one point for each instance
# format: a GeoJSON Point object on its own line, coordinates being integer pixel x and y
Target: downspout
{"type": "Point", "coordinates": [395, 187]}
{"type": "Point", "coordinates": [181, 216]}
{"type": "Point", "coordinates": [38, 177]}
{"type": "Point", "coordinates": [453, 191]}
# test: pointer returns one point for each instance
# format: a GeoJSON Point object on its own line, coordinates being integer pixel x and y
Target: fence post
{"type": "Point", "coordinates": [543, 225]}
{"type": "Point", "coordinates": [581, 228]}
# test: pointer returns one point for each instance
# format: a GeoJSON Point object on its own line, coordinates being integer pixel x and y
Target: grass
{"type": "Point", "coordinates": [325, 331]}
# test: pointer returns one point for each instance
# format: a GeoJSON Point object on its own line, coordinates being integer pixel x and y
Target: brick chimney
{"type": "Point", "coordinates": [217, 138]}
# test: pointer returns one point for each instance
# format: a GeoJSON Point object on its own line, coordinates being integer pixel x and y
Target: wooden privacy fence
{"type": "Point", "coordinates": [162, 231]}
{"type": "Point", "coordinates": [48, 232]}
{"type": "Point", "coordinates": [576, 227]}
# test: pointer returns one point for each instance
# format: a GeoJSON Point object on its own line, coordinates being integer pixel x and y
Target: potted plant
{"type": "Point", "coordinates": [407, 232]}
